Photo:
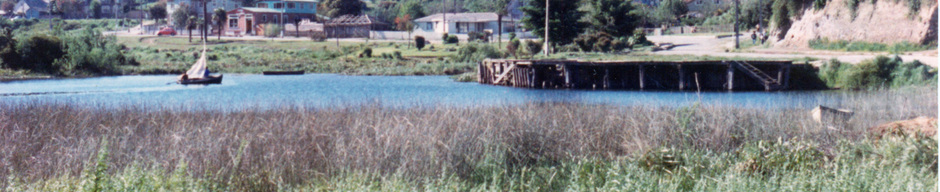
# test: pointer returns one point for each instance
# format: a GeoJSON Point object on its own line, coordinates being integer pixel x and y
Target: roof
{"type": "Point", "coordinates": [39, 5]}
{"type": "Point", "coordinates": [354, 20]}
{"type": "Point", "coordinates": [461, 17]}
{"type": "Point", "coordinates": [261, 10]}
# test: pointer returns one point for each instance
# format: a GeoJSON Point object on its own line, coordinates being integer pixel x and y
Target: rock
{"type": "Point", "coordinates": [920, 126]}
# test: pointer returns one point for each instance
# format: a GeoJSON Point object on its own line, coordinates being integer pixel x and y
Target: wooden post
{"type": "Point", "coordinates": [730, 76]}
{"type": "Point", "coordinates": [567, 72]}
{"type": "Point", "coordinates": [606, 78]}
{"type": "Point", "coordinates": [642, 75]}
{"type": "Point", "coordinates": [681, 77]}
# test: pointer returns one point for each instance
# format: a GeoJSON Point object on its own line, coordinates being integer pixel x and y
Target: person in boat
{"type": "Point", "coordinates": [185, 77]}
{"type": "Point", "coordinates": [206, 74]}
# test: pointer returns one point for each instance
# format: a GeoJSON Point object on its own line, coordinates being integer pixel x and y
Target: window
{"type": "Point", "coordinates": [279, 5]}
{"type": "Point", "coordinates": [463, 27]}
{"type": "Point", "coordinates": [428, 26]}
{"type": "Point", "coordinates": [290, 5]}
{"type": "Point", "coordinates": [286, 18]}
{"type": "Point", "coordinates": [264, 18]}
{"type": "Point", "coordinates": [233, 23]}
{"type": "Point", "coordinates": [262, 5]}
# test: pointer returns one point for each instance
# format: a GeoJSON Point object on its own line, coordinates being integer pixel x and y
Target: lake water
{"type": "Point", "coordinates": [239, 91]}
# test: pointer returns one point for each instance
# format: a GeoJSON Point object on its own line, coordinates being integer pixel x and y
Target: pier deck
{"type": "Point", "coordinates": [638, 75]}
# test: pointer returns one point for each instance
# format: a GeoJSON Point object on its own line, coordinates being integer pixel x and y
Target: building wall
{"type": "Point", "coordinates": [257, 19]}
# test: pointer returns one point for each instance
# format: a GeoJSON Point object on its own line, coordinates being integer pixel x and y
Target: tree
{"type": "Point", "coordinates": [158, 11]}
{"type": "Point", "coordinates": [181, 15]}
{"type": "Point", "coordinates": [336, 8]}
{"type": "Point", "coordinates": [205, 17]}
{"type": "Point", "coordinates": [672, 10]}
{"type": "Point", "coordinates": [564, 20]}
{"type": "Point", "coordinates": [500, 7]}
{"type": "Point", "coordinates": [404, 23]}
{"type": "Point", "coordinates": [615, 17]}
{"type": "Point", "coordinates": [220, 18]}
{"type": "Point", "coordinates": [95, 8]}
{"type": "Point", "coordinates": [412, 8]}
{"type": "Point", "coordinates": [191, 23]}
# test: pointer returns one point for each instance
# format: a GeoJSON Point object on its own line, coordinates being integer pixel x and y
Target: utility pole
{"type": "Point", "coordinates": [737, 10]}
{"type": "Point", "coordinates": [444, 24]}
{"type": "Point", "coordinates": [545, 44]}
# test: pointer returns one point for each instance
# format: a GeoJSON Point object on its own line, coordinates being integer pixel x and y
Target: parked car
{"type": "Point", "coordinates": [166, 31]}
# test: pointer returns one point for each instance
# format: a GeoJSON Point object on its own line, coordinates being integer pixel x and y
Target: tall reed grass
{"type": "Point", "coordinates": [537, 146]}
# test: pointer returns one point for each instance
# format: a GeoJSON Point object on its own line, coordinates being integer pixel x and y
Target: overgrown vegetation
{"type": "Point", "coordinates": [63, 50]}
{"type": "Point", "coordinates": [531, 147]}
{"type": "Point", "coordinates": [881, 72]}
{"type": "Point", "coordinates": [842, 45]}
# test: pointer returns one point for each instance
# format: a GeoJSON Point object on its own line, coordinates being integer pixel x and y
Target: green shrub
{"type": "Point", "coordinates": [881, 72]}
{"type": "Point", "coordinates": [366, 52]}
{"type": "Point", "coordinates": [272, 30]}
{"type": "Point", "coordinates": [512, 48]}
{"type": "Point", "coordinates": [474, 52]}
{"type": "Point", "coordinates": [819, 4]}
{"type": "Point", "coordinates": [452, 40]}
{"type": "Point", "coordinates": [419, 42]}
{"type": "Point", "coordinates": [533, 47]}
{"type": "Point", "coordinates": [477, 36]}
{"type": "Point", "coordinates": [40, 51]}
{"type": "Point", "coordinates": [779, 156]}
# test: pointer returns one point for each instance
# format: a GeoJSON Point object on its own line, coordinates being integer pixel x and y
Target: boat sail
{"type": "Point", "coordinates": [197, 74]}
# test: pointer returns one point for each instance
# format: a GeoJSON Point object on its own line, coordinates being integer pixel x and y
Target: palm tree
{"type": "Point", "coordinates": [190, 24]}
{"type": "Point", "coordinates": [220, 17]}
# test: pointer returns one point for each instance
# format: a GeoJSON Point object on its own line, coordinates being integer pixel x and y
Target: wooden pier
{"type": "Point", "coordinates": [637, 75]}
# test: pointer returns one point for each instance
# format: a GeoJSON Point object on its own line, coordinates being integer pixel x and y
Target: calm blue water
{"type": "Point", "coordinates": [324, 90]}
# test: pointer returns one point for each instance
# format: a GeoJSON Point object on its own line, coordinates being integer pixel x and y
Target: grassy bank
{"type": "Point", "coordinates": [841, 45]}
{"type": "Point", "coordinates": [539, 146]}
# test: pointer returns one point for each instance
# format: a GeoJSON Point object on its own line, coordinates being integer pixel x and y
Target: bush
{"type": "Point", "coordinates": [318, 36]}
{"type": "Point", "coordinates": [366, 52]}
{"type": "Point", "coordinates": [881, 72]}
{"type": "Point", "coordinates": [533, 47]}
{"type": "Point", "coordinates": [272, 30]}
{"type": "Point", "coordinates": [473, 52]}
{"type": "Point", "coordinates": [639, 38]}
{"type": "Point", "coordinates": [452, 40]}
{"type": "Point", "coordinates": [819, 4]}
{"type": "Point", "coordinates": [512, 47]}
{"type": "Point", "coordinates": [419, 42]}
{"type": "Point", "coordinates": [40, 51]}
{"type": "Point", "coordinates": [477, 36]}
{"type": "Point", "coordinates": [780, 156]}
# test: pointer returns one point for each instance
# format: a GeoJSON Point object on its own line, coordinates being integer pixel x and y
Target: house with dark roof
{"type": "Point", "coordinates": [353, 26]}
{"type": "Point", "coordinates": [30, 9]}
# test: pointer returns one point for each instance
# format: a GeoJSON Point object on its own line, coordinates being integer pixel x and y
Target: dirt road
{"type": "Point", "coordinates": [712, 46]}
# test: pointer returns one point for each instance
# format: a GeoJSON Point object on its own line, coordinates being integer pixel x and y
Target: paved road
{"type": "Point", "coordinates": [712, 46]}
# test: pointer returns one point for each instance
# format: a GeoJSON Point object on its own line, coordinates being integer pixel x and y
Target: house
{"type": "Point", "coordinates": [31, 9]}
{"type": "Point", "coordinates": [353, 26]}
{"type": "Point", "coordinates": [463, 23]}
{"type": "Point", "coordinates": [196, 6]}
{"type": "Point", "coordinates": [251, 20]}
{"type": "Point", "coordinates": [704, 8]}
{"type": "Point", "coordinates": [112, 8]}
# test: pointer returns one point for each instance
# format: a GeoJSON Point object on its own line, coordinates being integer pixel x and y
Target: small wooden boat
{"type": "Point", "coordinates": [198, 74]}
{"type": "Point", "coordinates": [217, 79]}
{"type": "Point", "coordinates": [283, 72]}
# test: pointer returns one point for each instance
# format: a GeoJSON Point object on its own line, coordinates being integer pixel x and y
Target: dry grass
{"type": "Point", "coordinates": [263, 149]}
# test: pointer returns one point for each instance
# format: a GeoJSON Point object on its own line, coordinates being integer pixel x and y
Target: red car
{"type": "Point", "coordinates": [166, 31]}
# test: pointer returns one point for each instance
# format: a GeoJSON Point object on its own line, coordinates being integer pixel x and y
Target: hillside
{"type": "Point", "coordinates": [884, 21]}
